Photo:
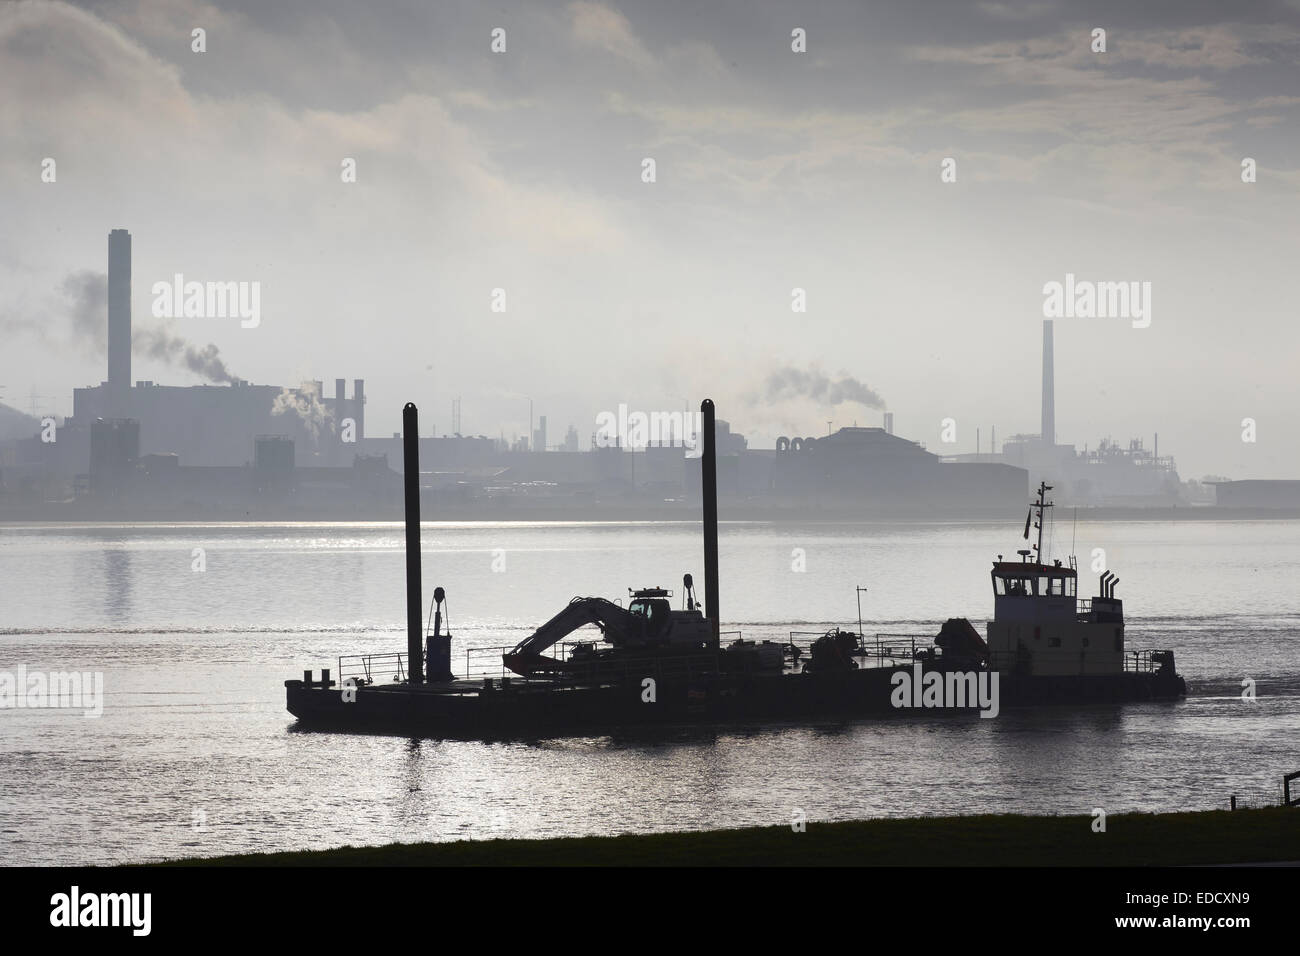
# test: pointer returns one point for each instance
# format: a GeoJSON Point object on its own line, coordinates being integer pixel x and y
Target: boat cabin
{"type": "Point", "coordinates": [1028, 589]}
{"type": "Point", "coordinates": [1041, 627]}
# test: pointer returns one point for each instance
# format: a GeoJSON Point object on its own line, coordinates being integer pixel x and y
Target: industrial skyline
{"type": "Point", "coordinates": [281, 449]}
{"type": "Point", "coordinates": [820, 173]}
{"type": "Point", "coordinates": [314, 413]}
{"type": "Point", "coordinates": [181, 448]}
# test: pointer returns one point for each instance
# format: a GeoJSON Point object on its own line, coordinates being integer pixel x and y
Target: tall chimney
{"type": "Point", "coordinates": [411, 481]}
{"type": "Point", "coordinates": [709, 494]}
{"type": "Point", "coordinates": [359, 397]}
{"type": "Point", "coordinates": [119, 323]}
{"type": "Point", "coordinates": [1048, 432]}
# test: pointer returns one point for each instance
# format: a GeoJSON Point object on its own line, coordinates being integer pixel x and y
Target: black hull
{"type": "Point", "coordinates": [532, 710]}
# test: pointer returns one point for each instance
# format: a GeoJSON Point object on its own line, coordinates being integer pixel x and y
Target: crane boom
{"type": "Point", "coordinates": [614, 622]}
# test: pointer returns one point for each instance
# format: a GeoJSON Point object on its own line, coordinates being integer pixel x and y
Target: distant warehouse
{"type": "Point", "coordinates": [870, 467]}
{"type": "Point", "coordinates": [1258, 493]}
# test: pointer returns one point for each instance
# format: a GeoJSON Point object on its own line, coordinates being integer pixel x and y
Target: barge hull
{"type": "Point", "coordinates": [524, 710]}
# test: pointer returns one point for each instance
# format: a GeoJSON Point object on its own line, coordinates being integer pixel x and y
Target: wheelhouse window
{"type": "Point", "coordinates": [1036, 585]}
{"type": "Point", "coordinates": [1056, 586]}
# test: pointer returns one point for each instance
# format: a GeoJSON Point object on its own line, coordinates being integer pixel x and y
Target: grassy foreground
{"type": "Point", "coordinates": [1165, 839]}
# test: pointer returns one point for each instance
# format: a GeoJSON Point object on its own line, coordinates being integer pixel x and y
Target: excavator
{"type": "Point", "coordinates": [647, 626]}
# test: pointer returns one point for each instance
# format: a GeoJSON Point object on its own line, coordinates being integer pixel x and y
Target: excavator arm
{"type": "Point", "coordinates": [615, 622]}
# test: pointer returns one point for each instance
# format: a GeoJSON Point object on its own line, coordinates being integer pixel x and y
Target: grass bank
{"type": "Point", "coordinates": [1162, 839]}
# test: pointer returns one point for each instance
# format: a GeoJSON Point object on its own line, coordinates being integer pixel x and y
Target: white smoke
{"type": "Point", "coordinates": [304, 404]}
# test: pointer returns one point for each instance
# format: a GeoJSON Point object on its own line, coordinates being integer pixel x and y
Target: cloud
{"type": "Point", "coordinates": [1048, 58]}
{"type": "Point", "coordinates": [100, 75]}
{"type": "Point", "coordinates": [604, 28]}
{"type": "Point", "coordinates": [1021, 10]}
{"type": "Point", "coordinates": [117, 114]}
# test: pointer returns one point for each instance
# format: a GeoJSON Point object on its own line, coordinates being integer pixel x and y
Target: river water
{"type": "Point", "coordinates": [195, 755]}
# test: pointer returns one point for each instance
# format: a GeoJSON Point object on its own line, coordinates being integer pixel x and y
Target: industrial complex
{"type": "Point", "coordinates": [239, 449]}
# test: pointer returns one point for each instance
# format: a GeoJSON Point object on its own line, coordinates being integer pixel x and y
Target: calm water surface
{"type": "Point", "coordinates": [195, 754]}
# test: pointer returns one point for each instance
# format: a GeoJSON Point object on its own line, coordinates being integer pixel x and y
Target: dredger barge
{"type": "Point", "coordinates": [656, 664]}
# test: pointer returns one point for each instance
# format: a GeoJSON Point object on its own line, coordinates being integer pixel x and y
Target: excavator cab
{"type": "Point", "coordinates": [651, 609]}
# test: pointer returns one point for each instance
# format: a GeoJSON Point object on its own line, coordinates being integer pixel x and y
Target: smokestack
{"type": "Point", "coordinates": [889, 423]}
{"type": "Point", "coordinates": [340, 389]}
{"type": "Point", "coordinates": [359, 396]}
{"type": "Point", "coordinates": [411, 481]}
{"type": "Point", "coordinates": [709, 494]}
{"type": "Point", "coordinates": [1048, 432]}
{"type": "Point", "coordinates": [119, 323]}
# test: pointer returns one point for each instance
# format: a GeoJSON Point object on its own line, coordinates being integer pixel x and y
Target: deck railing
{"type": "Point", "coordinates": [1143, 662]}
{"type": "Point", "coordinates": [372, 668]}
{"type": "Point", "coordinates": [876, 650]}
{"type": "Point", "coordinates": [481, 664]}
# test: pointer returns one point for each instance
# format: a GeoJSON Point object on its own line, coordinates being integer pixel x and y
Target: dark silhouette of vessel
{"type": "Point", "coordinates": [660, 665]}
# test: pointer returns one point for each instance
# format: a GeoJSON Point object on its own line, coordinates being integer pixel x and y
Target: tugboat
{"type": "Point", "coordinates": [659, 665]}
{"type": "Point", "coordinates": [1048, 645]}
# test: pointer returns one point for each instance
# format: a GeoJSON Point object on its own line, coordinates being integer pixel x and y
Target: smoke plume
{"type": "Point", "coordinates": [789, 383]}
{"type": "Point", "coordinates": [305, 405]}
{"type": "Point", "coordinates": [86, 295]}
{"type": "Point", "coordinates": [204, 360]}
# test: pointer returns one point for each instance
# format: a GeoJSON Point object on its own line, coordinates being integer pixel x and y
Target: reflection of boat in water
{"type": "Point", "coordinates": [656, 664]}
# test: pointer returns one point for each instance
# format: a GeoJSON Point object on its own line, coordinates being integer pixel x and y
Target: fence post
{"type": "Point", "coordinates": [1286, 789]}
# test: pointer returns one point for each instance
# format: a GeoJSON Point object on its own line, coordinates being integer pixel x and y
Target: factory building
{"type": "Point", "coordinates": [877, 469]}
{"type": "Point", "coordinates": [1263, 494]}
{"type": "Point", "coordinates": [216, 424]}
{"type": "Point", "coordinates": [1108, 474]}
{"type": "Point", "coordinates": [212, 425]}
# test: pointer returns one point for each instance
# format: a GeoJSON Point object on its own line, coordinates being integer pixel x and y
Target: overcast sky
{"type": "Point", "coordinates": [775, 170]}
